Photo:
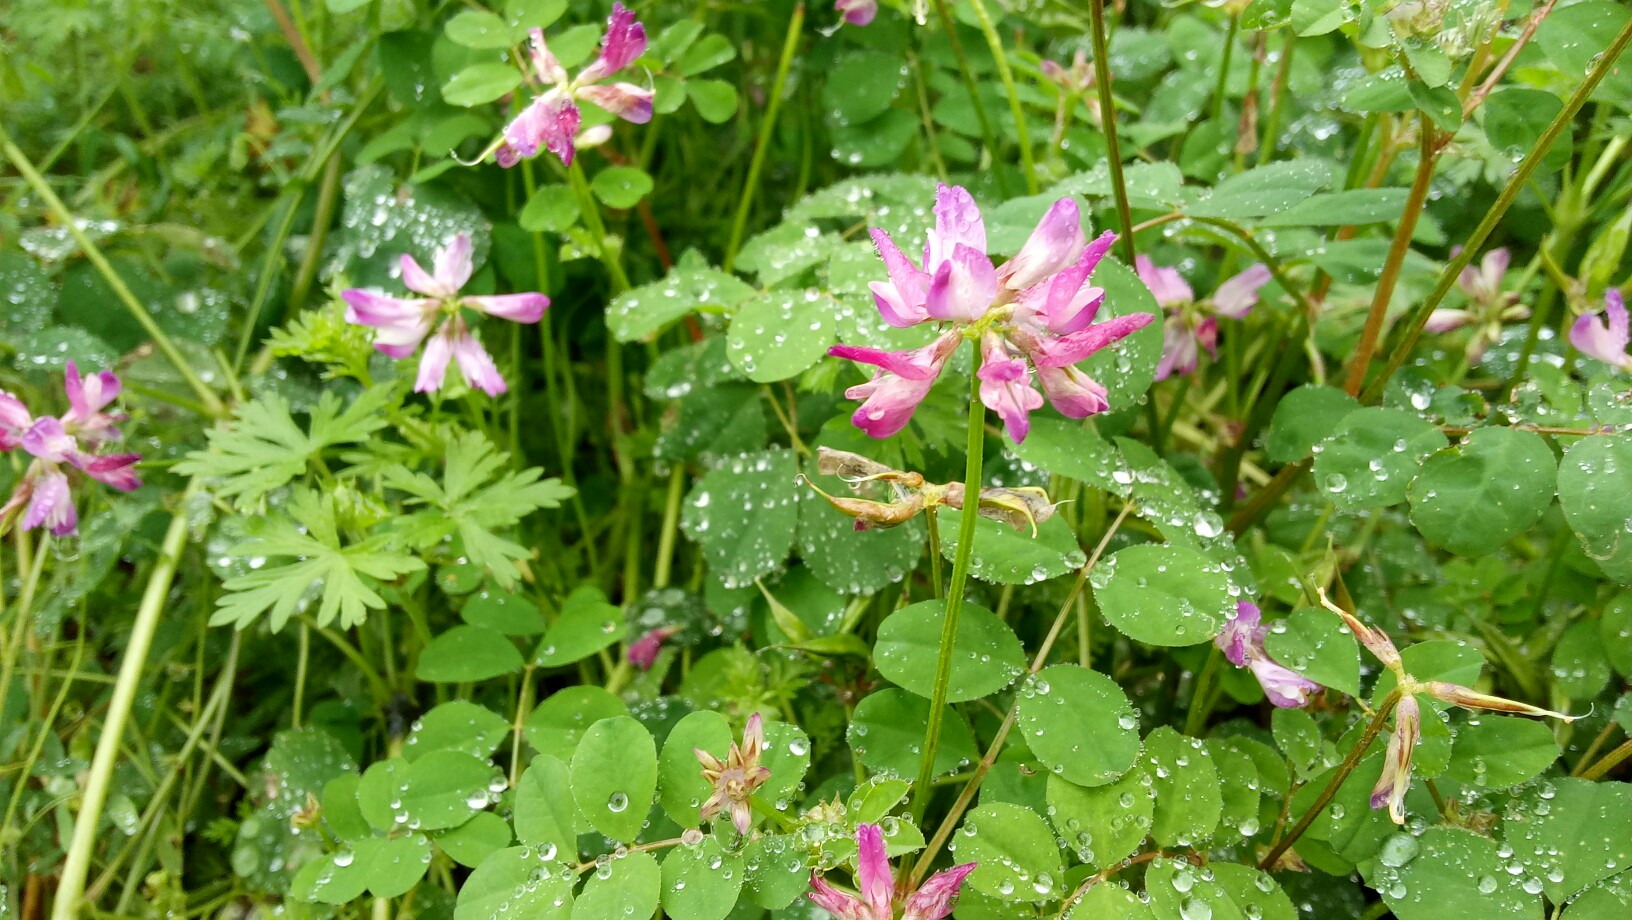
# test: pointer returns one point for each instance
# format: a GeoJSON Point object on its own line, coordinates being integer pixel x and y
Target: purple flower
{"type": "Point", "coordinates": [857, 12]}
{"type": "Point", "coordinates": [1242, 642]}
{"type": "Point", "coordinates": [402, 323]}
{"type": "Point", "coordinates": [1031, 316]}
{"type": "Point", "coordinates": [1489, 307]}
{"type": "Point", "coordinates": [643, 651]}
{"type": "Point", "coordinates": [1605, 339]}
{"type": "Point", "coordinates": [932, 900]}
{"type": "Point", "coordinates": [552, 119]}
{"type": "Point", "coordinates": [1190, 326]}
{"type": "Point", "coordinates": [43, 495]}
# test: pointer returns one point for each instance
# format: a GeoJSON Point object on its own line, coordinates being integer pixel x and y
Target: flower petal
{"type": "Point", "coordinates": [1064, 303]}
{"type": "Point", "coordinates": [1286, 688]}
{"type": "Point", "coordinates": [857, 12]}
{"type": "Point", "coordinates": [933, 899]}
{"type": "Point", "coordinates": [957, 223]}
{"type": "Point", "coordinates": [1236, 297]}
{"type": "Point", "coordinates": [550, 121]}
{"type": "Point", "coordinates": [1601, 339]}
{"type": "Point", "coordinates": [518, 308]}
{"type": "Point", "coordinates": [549, 70]}
{"type": "Point", "coordinates": [900, 300]}
{"type": "Point", "coordinates": [453, 264]}
{"type": "Point", "coordinates": [838, 903]}
{"type": "Point", "coordinates": [1443, 320]}
{"type": "Point", "coordinates": [110, 470]}
{"type": "Point", "coordinates": [1241, 634]}
{"type": "Point", "coordinates": [963, 287]}
{"type": "Point", "coordinates": [49, 440]}
{"type": "Point", "coordinates": [1396, 779]}
{"type": "Point", "coordinates": [625, 40]}
{"type": "Point", "coordinates": [1072, 393]}
{"type": "Point", "coordinates": [1005, 387]}
{"type": "Point", "coordinates": [625, 100]}
{"type": "Point", "coordinates": [52, 505]}
{"type": "Point", "coordinates": [873, 869]}
{"type": "Point", "coordinates": [476, 364]}
{"type": "Point", "coordinates": [1055, 243]}
{"type": "Point", "coordinates": [433, 364]}
{"type": "Point", "coordinates": [1179, 350]}
{"type": "Point", "coordinates": [14, 420]}
{"type": "Point", "coordinates": [1069, 349]}
{"type": "Point", "coordinates": [1166, 283]}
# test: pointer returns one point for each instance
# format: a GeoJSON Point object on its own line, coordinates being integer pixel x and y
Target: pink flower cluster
{"type": "Point", "coordinates": [1605, 338]}
{"type": "Point", "coordinates": [1242, 642]}
{"type": "Point", "coordinates": [1489, 307]}
{"type": "Point", "coordinates": [56, 444]}
{"type": "Point", "coordinates": [1032, 316]}
{"type": "Point", "coordinates": [932, 900]}
{"type": "Point", "coordinates": [1189, 327]}
{"type": "Point", "coordinates": [551, 120]}
{"type": "Point", "coordinates": [401, 323]}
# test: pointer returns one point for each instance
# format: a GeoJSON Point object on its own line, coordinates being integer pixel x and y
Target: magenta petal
{"type": "Point", "coordinates": [889, 402]}
{"type": "Point", "coordinates": [52, 505]}
{"type": "Point", "coordinates": [1236, 297]}
{"type": "Point", "coordinates": [1072, 393]}
{"type": "Point", "coordinates": [1605, 339]}
{"type": "Point", "coordinates": [112, 470]}
{"type": "Point", "coordinates": [933, 899]}
{"type": "Point", "coordinates": [433, 364]}
{"type": "Point", "coordinates": [549, 70]}
{"type": "Point", "coordinates": [48, 440]}
{"type": "Point", "coordinates": [1005, 388]}
{"type": "Point", "coordinates": [476, 364]}
{"type": "Point", "coordinates": [370, 308]}
{"type": "Point", "coordinates": [453, 264]}
{"type": "Point", "coordinates": [624, 41]}
{"type": "Point", "coordinates": [1241, 634]}
{"type": "Point", "coordinates": [901, 301]}
{"type": "Point", "coordinates": [963, 287]}
{"type": "Point", "coordinates": [14, 420]}
{"type": "Point", "coordinates": [839, 904]}
{"type": "Point", "coordinates": [1443, 320]}
{"type": "Point", "coordinates": [419, 280]}
{"type": "Point", "coordinates": [625, 100]}
{"type": "Point", "coordinates": [1054, 244]}
{"type": "Point", "coordinates": [873, 869]}
{"type": "Point", "coordinates": [519, 308]}
{"type": "Point", "coordinates": [1285, 688]}
{"type": "Point", "coordinates": [1179, 350]}
{"type": "Point", "coordinates": [550, 121]}
{"type": "Point", "coordinates": [1166, 284]}
{"type": "Point", "coordinates": [1070, 349]}
{"type": "Point", "coordinates": [857, 12]}
{"type": "Point", "coordinates": [911, 365]}
{"type": "Point", "coordinates": [957, 223]}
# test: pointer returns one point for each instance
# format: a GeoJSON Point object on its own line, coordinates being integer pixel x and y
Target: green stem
{"type": "Point", "coordinates": [954, 593]}
{"type": "Point", "coordinates": [1411, 329]}
{"type": "Point", "coordinates": [25, 603]}
{"type": "Point", "coordinates": [1343, 771]}
{"type": "Point", "coordinates": [1272, 122]}
{"type": "Point", "coordinates": [971, 86]}
{"type": "Point", "coordinates": [93, 254]}
{"type": "Point", "coordinates": [1107, 117]}
{"type": "Point", "coordinates": [1005, 74]}
{"type": "Point", "coordinates": [671, 526]}
{"type": "Point", "coordinates": [936, 585]}
{"type": "Point", "coordinates": [1222, 88]}
{"type": "Point", "coordinates": [762, 144]}
{"type": "Point", "coordinates": [77, 863]}
{"type": "Point", "coordinates": [1196, 717]}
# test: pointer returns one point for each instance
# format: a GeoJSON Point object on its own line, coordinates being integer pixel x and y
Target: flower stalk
{"type": "Point", "coordinates": [762, 144]}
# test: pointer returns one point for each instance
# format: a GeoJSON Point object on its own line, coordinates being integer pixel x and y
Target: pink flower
{"type": "Point", "coordinates": [1191, 327]}
{"type": "Point", "coordinates": [643, 651]}
{"type": "Point", "coordinates": [43, 495]}
{"type": "Point", "coordinates": [932, 900]}
{"type": "Point", "coordinates": [1032, 315]}
{"type": "Point", "coordinates": [1605, 339]}
{"type": "Point", "coordinates": [736, 777]}
{"type": "Point", "coordinates": [1489, 307]}
{"type": "Point", "coordinates": [857, 12]}
{"type": "Point", "coordinates": [1242, 642]}
{"type": "Point", "coordinates": [551, 120]}
{"type": "Point", "coordinates": [402, 323]}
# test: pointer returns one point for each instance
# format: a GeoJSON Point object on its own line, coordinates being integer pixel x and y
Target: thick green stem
{"type": "Point", "coordinates": [762, 144]}
{"type": "Point", "coordinates": [93, 254]}
{"type": "Point", "coordinates": [77, 864]}
{"type": "Point", "coordinates": [1005, 74]}
{"type": "Point", "coordinates": [1107, 118]}
{"type": "Point", "coordinates": [671, 526]}
{"type": "Point", "coordinates": [954, 592]}
{"type": "Point", "coordinates": [1325, 798]}
{"type": "Point", "coordinates": [1411, 329]}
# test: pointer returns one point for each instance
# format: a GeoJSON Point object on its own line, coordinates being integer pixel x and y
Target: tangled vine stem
{"type": "Point", "coordinates": [1325, 798]}
{"type": "Point", "coordinates": [954, 593]}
